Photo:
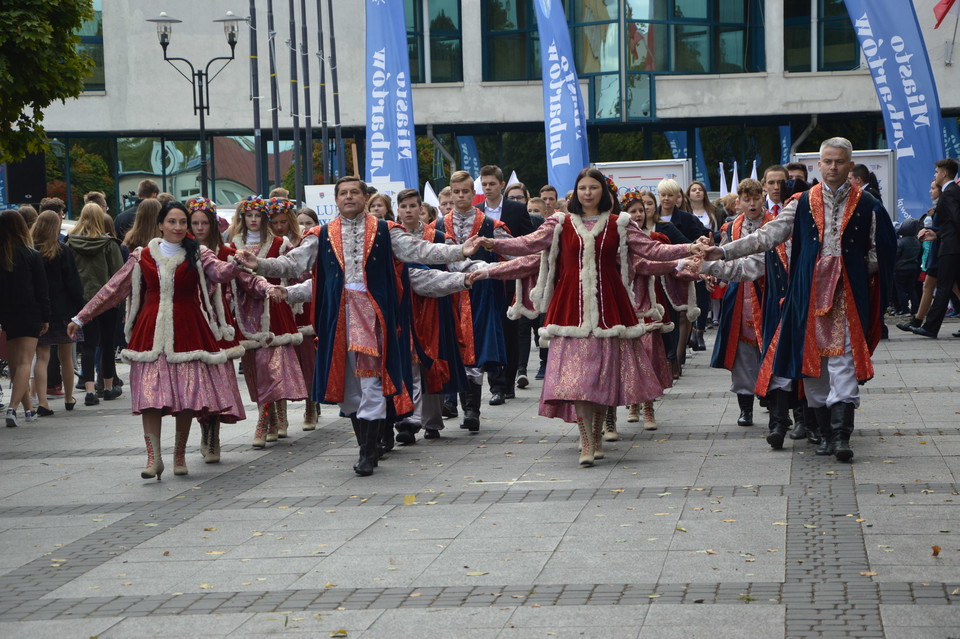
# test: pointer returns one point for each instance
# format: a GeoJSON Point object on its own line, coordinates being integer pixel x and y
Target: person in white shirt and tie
{"type": "Point", "coordinates": [773, 178]}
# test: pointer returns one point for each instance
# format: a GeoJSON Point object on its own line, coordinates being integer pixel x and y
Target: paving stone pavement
{"type": "Point", "coordinates": [697, 529]}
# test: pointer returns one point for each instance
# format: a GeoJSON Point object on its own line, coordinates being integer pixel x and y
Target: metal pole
{"type": "Point", "coordinates": [201, 83]}
{"type": "Point", "coordinates": [341, 161]}
{"type": "Point", "coordinates": [307, 115]}
{"type": "Point", "coordinates": [295, 105]}
{"type": "Point", "coordinates": [258, 149]}
{"type": "Point", "coordinates": [274, 100]}
{"type": "Point", "coordinates": [324, 137]}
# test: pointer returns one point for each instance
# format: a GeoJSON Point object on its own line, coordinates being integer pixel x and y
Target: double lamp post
{"type": "Point", "coordinates": [200, 78]}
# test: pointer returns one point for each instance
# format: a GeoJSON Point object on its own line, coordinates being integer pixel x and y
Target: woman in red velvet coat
{"type": "Point", "coordinates": [592, 255]}
{"type": "Point", "coordinates": [271, 367]}
{"type": "Point", "coordinates": [175, 369]}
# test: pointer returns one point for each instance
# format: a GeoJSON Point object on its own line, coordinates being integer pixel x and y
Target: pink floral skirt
{"type": "Point", "coordinates": [210, 390]}
{"type": "Point", "coordinates": [606, 371]}
{"type": "Point", "coordinates": [307, 356]}
{"type": "Point", "coordinates": [273, 373]}
{"type": "Point", "coordinates": [657, 357]}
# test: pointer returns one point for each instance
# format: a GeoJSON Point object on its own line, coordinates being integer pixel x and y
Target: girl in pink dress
{"type": "Point", "coordinates": [284, 222]}
{"type": "Point", "coordinates": [177, 368]}
{"type": "Point", "coordinates": [591, 256]}
{"type": "Point", "coordinates": [270, 364]}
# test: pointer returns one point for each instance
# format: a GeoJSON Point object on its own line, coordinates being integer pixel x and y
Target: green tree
{"type": "Point", "coordinates": [39, 64]}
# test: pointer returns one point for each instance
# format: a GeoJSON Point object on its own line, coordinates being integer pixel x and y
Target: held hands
{"type": "Point", "coordinates": [487, 243]}
{"type": "Point", "coordinates": [277, 293]}
{"type": "Point", "coordinates": [471, 246]}
{"type": "Point", "coordinates": [475, 276]}
{"type": "Point", "coordinates": [44, 327]}
{"type": "Point", "coordinates": [72, 329]}
{"type": "Point", "coordinates": [713, 253]}
{"type": "Point", "coordinates": [690, 266]}
{"type": "Point", "coordinates": [248, 259]}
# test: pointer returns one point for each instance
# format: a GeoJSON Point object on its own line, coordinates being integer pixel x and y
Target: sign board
{"type": "Point", "coordinates": [883, 163]}
{"type": "Point", "coordinates": [320, 198]}
{"type": "Point", "coordinates": [646, 174]}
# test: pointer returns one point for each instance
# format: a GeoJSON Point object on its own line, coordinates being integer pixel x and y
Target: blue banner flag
{"type": "Point", "coordinates": [700, 168]}
{"type": "Point", "coordinates": [3, 185]}
{"type": "Point", "coordinates": [951, 137]}
{"type": "Point", "coordinates": [391, 143]}
{"type": "Point", "coordinates": [893, 46]}
{"type": "Point", "coordinates": [678, 144]}
{"type": "Point", "coordinates": [564, 119]}
{"type": "Point", "coordinates": [469, 156]}
{"type": "Point", "coordinates": [786, 141]}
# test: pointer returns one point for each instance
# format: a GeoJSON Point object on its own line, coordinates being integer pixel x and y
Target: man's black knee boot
{"type": "Point", "coordinates": [779, 403]}
{"type": "Point", "coordinates": [826, 446]}
{"type": "Point", "coordinates": [841, 421]}
{"type": "Point", "coordinates": [746, 410]}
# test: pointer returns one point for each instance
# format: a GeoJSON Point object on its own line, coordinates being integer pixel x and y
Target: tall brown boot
{"type": "Point", "coordinates": [154, 463]}
{"type": "Point", "coordinates": [180, 452]}
{"type": "Point", "coordinates": [586, 444]}
{"type": "Point", "coordinates": [310, 415]}
{"type": "Point", "coordinates": [272, 428]}
{"type": "Point", "coordinates": [213, 441]}
{"type": "Point", "coordinates": [263, 425]}
{"type": "Point", "coordinates": [282, 425]}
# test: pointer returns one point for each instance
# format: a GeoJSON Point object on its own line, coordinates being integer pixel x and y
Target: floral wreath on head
{"type": "Point", "coordinates": [200, 203]}
{"type": "Point", "coordinates": [630, 196]}
{"type": "Point", "coordinates": [253, 203]}
{"type": "Point", "coordinates": [278, 206]}
{"type": "Point", "coordinates": [612, 186]}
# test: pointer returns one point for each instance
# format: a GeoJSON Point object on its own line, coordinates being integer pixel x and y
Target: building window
{"type": "Point", "coordinates": [818, 35]}
{"type": "Point", "coordinates": [620, 44]}
{"type": "Point", "coordinates": [434, 40]}
{"type": "Point", "coordinates": [91, 43]}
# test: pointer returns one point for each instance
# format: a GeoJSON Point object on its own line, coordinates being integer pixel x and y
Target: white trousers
{"type": "Point", "coordinates": [837, 381]}
{"type": "Point", "coordinates": [746, 367]}
{"type": "Point", "coordinates": [362, 395]}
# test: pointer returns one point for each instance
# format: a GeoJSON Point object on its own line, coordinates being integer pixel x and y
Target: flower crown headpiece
{"type": "Point", "coordinates": [631, 195]}
{"type": "Point", "coordinates": [278, 205]}
{"type": "Point", "coordinates": [252, 203]}
{"type": "Point", "coordinates": [200, 203]}
{"type": "Point", "coordinates": [612, 186]}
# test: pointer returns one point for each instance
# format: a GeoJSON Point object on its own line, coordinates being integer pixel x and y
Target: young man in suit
{"type": "Point", "coordinates": [947, 230]}
{"type": "Point", "coordinates": [515, 217]}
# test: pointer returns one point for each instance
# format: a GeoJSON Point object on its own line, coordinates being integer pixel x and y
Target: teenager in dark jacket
{"type": "Point", "coordinates": [25, 307]}
{"type": "Point", "coordinates": [907, 268]}
{"type": "Point", "coordinates": [66, 300]}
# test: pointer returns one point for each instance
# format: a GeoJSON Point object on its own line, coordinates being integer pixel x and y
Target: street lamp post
{"type": "Point", "coordinates": [200, 79]}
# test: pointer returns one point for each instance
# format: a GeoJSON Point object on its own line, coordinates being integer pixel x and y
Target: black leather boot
{"type": "Point", "coordinates": [810, 420]}
{"type": "Point", "coordinates": [746, 410]}
{"type": "Point", "coordinates": [356, 428]}
{"type": "Point", "coordinates": [913, 322]}
{"type": "Point", "coordinates": [387, 439]}
{"type": "Point", "coordinates": [800, 425]}
{"type": "Point", "coordinates": [471, 407]}
{"type": "Point", "coordinates": [841, 421]}
{"type": "Point", "coordinates": [368, 432]}
{"type": "Point", "coordinates": [698, 343]}
{"type": "Point", "coordinates": [826, 446]}
{"type": "Point", "coordinates": [779, 402]}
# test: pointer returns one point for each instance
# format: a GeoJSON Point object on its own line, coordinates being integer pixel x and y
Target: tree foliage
{"type": "Point", "coordinates": [39, 64]}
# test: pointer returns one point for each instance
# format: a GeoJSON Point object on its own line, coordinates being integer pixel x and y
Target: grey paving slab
{"type": "Point", "coordinates": [289, 541]}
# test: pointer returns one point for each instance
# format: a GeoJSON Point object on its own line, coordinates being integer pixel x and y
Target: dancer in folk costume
{"type": "Point", "coordinates": [484, 307]}
{"type": "Point", "coordinates": [177, 366]}
{"type": "Point", "coordinates": [651, 304]}
{"type": "Point", "coordinates": [285, 222]}
{"type": "Point", "coordinates": [204, 227]}
{"type": "Point", "coordinates": [442, 341]}
{"type": "Point", "coordinates": [741, 334]}
{"type": "Point", "coordinates": [585, 285]}
{"type": "Point", "coordinates": [270, 364]}
{"type": "Point", "coordinates": [841, 261]}
{"type": "Point", "coordinates": [361, 310]}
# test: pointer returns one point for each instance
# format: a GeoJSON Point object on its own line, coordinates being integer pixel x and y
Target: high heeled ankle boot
{"type": "Point", "coordinates": [213, 441]}
{"type": "Point", "coordinates": [698, 343]}
{"type": "Point", "coordinates": [272, 428]}
{"type": "Point", "coordinates": [633, 413]}
{"type": "Point", "coordinates": [610, 433]}
{"type": "Point", "coordinates": [586, 443]}
{"type": "Point", "coordinates": [599, 418]}
{"type": "Point", "coordinates": [180, 453]}
{"type": "Point", "coordinates": [282, 424]}
{"type": "Point", "coordinates": [263, 425]}
{"type": "Point", "coordinates": [310, 416]}
{"type": "Point", "coordinates": [154, 463]}
{"type": "Point", "coordinates": [649, 418]}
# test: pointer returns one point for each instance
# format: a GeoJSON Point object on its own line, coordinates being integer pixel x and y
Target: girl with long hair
{"type": "Point", "coordinates": [270, 364]}
{"type": "Point", "coordinates": [176, 365]}
{"type": "Point", "coordinates": [381, 207]}
{"type": "Point", "coordinates": [144, 226]}
{"type": "Point", "coordinates": [25, 312]}
{"type": "Point", "coordinates": [592, 254]}
{"type": "Point", "coordinates": [98, 258]}
{"type": "Point", "coordinates": [66, 300]}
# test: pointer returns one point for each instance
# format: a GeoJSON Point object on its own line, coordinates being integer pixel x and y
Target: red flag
{"type": "Point", "coordinates": [941, 10]}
